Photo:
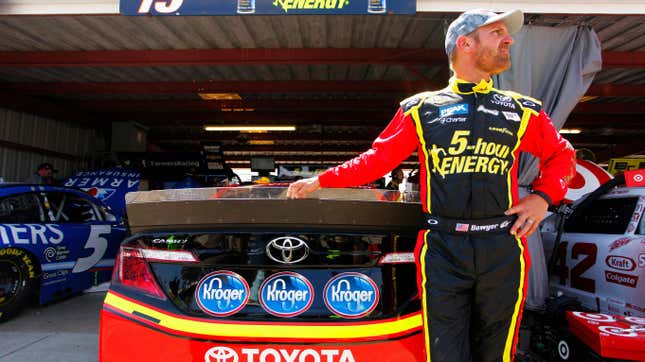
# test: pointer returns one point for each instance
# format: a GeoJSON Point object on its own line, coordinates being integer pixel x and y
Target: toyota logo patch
{"type": "Point", "coordinates": [287, 250]}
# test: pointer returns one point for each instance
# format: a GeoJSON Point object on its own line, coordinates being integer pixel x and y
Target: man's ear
{"type": "Point", "coordinates": [464, 43]}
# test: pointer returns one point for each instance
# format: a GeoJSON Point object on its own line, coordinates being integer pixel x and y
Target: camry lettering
{"type": "Point", "coordinates": [25, 234]}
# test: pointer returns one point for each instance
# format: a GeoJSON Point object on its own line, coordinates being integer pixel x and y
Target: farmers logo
{"type": "Point", "coordinates": [351, 295]}
{"type": "Point", "coordinates": [222, 293]}
{"type": "Point", "coordinates": [620, 262]}
{"type": "Point", "coordinates": [286, 294]}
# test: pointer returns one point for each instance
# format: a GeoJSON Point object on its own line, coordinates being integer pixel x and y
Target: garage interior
{"type": "Point", "coordinates": [67, 80]}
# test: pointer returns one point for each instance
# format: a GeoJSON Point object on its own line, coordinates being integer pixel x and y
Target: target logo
{"type": "Point", "coordinates": [596, 317]}
{"type": "Point", "coordinates": [221, 354]}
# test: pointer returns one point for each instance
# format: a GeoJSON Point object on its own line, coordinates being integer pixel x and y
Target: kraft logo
{"type": "Point", "coordinates": [286, 294]}
{"type": "Point", "coordinates": [226, 354]}
{"type": "Point", "coordinates": [457, 109]}
{"type": "Point", "coordinates": [620, 262]}
{"type": "Point", "coordinates": [222, 293]}
{"type": "Point", "coordinates": [351, 295]}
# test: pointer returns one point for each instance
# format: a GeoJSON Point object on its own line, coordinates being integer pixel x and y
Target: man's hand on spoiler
{"type": "Point", "coordinates": [301, 188]}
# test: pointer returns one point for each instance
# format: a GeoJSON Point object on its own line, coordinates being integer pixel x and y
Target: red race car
{"type": "Point", "coordinates": [242, 274]}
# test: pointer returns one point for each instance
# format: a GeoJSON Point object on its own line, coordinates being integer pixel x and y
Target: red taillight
{"type": "Point", "coordinates": [132, 270]}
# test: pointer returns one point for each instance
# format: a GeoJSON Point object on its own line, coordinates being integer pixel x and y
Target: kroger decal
{"type": "Point", "coordinates": [24, 234]}
{"type": "Point", "coordinates": [222, 293]}
{"type": "Point", "coordinates": [351, 295]}
{"type": "Point", "coordinates": [286, 294]}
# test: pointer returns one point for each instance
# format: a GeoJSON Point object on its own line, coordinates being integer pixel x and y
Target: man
{"type": "Point", "coordinates": [397, 178]}
{"type": "Point", "coordinates": [472, 260]}
{"type": "Point", "coordinates": [44, 175]}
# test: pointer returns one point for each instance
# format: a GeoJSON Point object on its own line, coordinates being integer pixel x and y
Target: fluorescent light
{"type": "Point", "coordinates": [570, 131]}
{"type": "Point", "coordinates": [220, 96]}
{"type": "Point", "coordinates": [249, 128]}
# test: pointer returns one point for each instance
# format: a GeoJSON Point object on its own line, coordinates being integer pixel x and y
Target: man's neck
{"type": "Point", "coordinates": [472, 76]}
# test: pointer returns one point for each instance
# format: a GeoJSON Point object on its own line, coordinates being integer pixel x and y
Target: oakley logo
{"type": "Point", "coordinates": [221, 354]}
{"type": "Point", "coordinates": [287, 250]}
{"type": "Point", "coordinates": [433, 221]}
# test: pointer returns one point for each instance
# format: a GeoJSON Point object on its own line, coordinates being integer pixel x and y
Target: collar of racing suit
{"type": "Point", "coordinates": [461, 86]}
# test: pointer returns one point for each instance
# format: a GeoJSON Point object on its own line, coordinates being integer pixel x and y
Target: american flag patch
{"type": "Point", "coordinates": [462, 227]}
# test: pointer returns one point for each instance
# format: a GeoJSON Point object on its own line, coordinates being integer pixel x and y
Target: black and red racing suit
{"type": "Point", "coordinates": [468, 138]}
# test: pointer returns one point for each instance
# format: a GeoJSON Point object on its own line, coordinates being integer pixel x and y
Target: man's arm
{"type": "Point", "coordinates": [395, 143]}
{"type": "Point", "coordinates": [557, 168]}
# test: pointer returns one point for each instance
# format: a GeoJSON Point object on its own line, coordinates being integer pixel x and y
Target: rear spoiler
{"type": "Point", "coordinates": [189, 209]}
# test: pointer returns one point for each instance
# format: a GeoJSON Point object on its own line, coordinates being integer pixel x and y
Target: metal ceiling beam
{"type": "Point", "coordinates": [264, 104]}
{"type": "Point", "coordinates": [616, 90]}
{"type": "Point", "coordinates": [258, 56]}
{"type": "Point", "coordinates": [623, 59]}
{"type": "Point", "coordinates": [300, 104]}
{"type": "Point", "coordinates": [247, 56]}
{"type": "Point", "coordinates": [87, 88]}
{"type": "Point", "coordinates": [372, 86]}
{"type": "Point", "coordinates": [610, 108]}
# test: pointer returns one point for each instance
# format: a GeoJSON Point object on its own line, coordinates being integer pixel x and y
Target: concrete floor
{"type": "Point", "coordinates": [62, 331]}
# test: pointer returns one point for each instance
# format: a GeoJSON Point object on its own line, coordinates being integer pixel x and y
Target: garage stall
{"type": "Point", "coordinates": [82, 80]}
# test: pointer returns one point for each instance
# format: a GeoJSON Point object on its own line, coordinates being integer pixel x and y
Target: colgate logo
{"type": "Point", "coordinates": [620, 262]}
{"type": "Point", "coordinates": [226, 354]}
{"type": "Point", "coordinates": [622, 279]}
{"type": "Point", "coordinates": [222, 293]}
{"type": "Point", "coordinates": [351, 295]}
{"type": "Point", "coordinates": [286, 294]}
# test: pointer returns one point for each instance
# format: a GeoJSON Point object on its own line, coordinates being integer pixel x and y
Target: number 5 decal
{"type": "Point", "coordinates": [94, 241]}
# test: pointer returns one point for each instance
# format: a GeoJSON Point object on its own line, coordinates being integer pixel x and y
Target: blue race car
{"type": "Point", "coordinates": [55, 242]}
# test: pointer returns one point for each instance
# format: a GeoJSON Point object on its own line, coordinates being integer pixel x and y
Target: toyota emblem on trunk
{"type": "Point", "coordinates": [287, 250]}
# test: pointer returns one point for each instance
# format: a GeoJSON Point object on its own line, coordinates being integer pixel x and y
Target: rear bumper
{"type": "Point", "coordinates": [135, 332]}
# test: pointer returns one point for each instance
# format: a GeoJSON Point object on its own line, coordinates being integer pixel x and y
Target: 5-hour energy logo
{"type": "Point", "coordinates": [287, 5]}
{"type": "Point", "coordinates": [486, 157]}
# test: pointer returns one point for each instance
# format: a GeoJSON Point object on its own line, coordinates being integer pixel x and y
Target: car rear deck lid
{"type": "Point", "coordinates": [264, 206]}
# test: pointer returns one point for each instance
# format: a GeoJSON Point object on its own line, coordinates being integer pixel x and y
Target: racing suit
{"type": "Point", "coordinates": [472, 271]}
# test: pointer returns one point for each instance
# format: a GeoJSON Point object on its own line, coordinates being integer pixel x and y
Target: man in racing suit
{"type": "Point", "coordinates": [472, 259]}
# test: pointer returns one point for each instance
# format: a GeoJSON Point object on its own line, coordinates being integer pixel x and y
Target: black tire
{"type": "Point", "coordinates": [17, 281]}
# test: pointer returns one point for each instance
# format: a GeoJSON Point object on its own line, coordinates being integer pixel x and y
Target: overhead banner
{"type": "Point", "coordinates": [266, 7]}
